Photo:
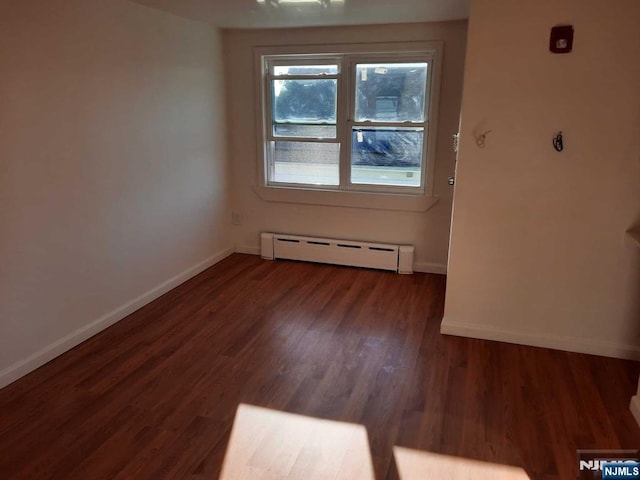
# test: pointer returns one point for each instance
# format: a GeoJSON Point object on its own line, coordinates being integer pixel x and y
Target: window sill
{"type": "Point", "coordinates": [339, 198]}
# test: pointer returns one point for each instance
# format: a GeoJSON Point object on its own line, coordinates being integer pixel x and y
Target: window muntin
{"type": "Point", "coordinates": [371, 110]}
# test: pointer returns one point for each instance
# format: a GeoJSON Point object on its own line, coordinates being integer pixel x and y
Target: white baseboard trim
{"type": "Point", "coordinates": [48, 353]}
{"type": "Point", "coordinates": [635, 408]}
{"type": "Point", "coordinates": [427, 267]}
{"type": "Point", "coordinates": [568, 344]}
{"type": "Point", "coordinates": [248, 250]}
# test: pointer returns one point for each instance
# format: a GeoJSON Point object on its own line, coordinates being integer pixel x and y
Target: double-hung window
{"type": "Point", "coordinates": [360, 120]}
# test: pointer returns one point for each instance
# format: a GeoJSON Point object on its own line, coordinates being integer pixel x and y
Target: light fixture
{"type": "Point", "coordinates": [321, 3]}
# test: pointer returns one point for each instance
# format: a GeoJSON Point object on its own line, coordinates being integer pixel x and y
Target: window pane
{"type": "Point", "coordinates": [304, 101]}
{"type": "Point", "coordinates": [304, 130]}
{"type": "Point", "coordinates": [387, 156]}
{"type": "Point", "coordinates": [306, 70]}
{"type": "Point", "coordinates": [391, 92]}
{"type": "Point", "coordinates": [305, 162]}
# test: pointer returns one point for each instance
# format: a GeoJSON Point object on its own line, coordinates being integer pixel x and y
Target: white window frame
{"type": "Point", "coordinates": [293, 60]}
{"type": "Point", "coordinates": [346, 56]}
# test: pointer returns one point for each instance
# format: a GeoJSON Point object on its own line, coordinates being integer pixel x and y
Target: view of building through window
{"type": "Point", "coordinates": [378, 135]}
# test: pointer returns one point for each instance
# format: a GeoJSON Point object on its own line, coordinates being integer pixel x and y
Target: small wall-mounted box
{"type": "Point", "coordinates": [561, 39]}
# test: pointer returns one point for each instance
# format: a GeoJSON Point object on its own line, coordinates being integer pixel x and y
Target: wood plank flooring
{"type": "Point", "coordinates": [155, 395]}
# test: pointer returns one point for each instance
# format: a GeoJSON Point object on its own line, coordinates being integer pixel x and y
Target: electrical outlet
{"type": "Point", "coordinates": [236, 218]}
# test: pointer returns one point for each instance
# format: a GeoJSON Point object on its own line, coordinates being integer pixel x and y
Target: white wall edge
{"type": "Point", "coordinates": [635, 408]}
{"type": "Point", "coordinates": [48, 353]}
{"type": "Point", "coordinates": [427, 267]}
{"type": "Point", "coordinates": [569, 344]}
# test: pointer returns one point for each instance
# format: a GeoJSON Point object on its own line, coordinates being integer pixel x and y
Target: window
{"type": "Point", "coordinates": [355, 121]}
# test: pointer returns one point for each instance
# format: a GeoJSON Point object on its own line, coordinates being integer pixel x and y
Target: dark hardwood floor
{"type": "Point", "coordinates": [155, 395]}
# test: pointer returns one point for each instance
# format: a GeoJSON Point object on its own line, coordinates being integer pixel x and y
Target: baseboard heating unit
{"type": "Point", "coordinates": [397, 258]}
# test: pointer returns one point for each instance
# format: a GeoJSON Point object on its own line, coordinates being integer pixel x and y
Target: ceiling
{"type": "Point", "coordinates": [302, 13]}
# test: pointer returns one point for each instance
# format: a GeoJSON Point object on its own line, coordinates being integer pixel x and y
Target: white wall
{"type": "Point", "coordinates": [112, 167]}
{"type": "Point", "coordinates": [428, 231]}
{"type": "Point", "coordinates": [537, 252]}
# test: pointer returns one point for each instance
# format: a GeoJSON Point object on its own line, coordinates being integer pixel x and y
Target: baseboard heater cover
{"type": "Point", "coordinates": [397, 258]}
